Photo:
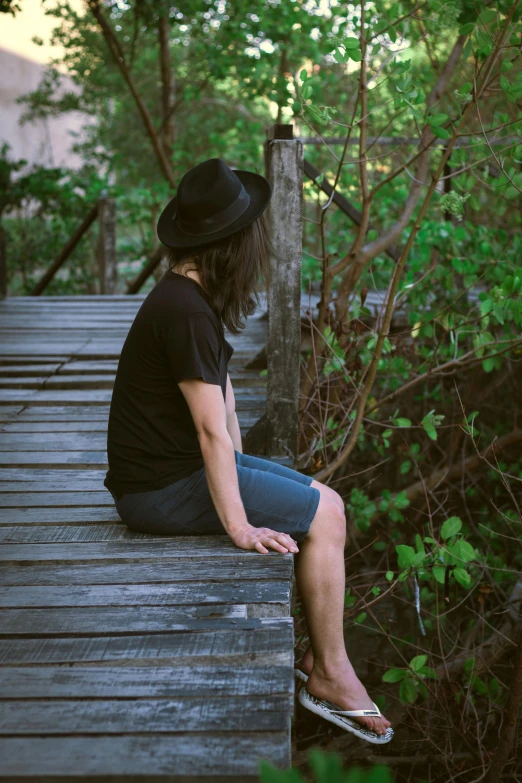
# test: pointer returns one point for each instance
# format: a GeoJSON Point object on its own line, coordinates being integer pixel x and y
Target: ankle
{"type": "Point", "coordinates": [331, 669]}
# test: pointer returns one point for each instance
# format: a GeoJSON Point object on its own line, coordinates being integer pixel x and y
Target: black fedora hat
{"type": "Point", "coordinates": [212, 202]}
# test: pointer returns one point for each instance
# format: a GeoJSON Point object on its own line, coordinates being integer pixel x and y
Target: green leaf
{"type": "Point", "coordinates": [467, 552]}
{"type": "Point", "coordinates": [429, 429]}
{"type": "Point", "coordinates": [402, 422]}
{"type": "Point", "coordinates": [437, 119]}
{"type": "Point", "coordinates": [494, 689]}
{"type": "Point", "coordinates": [326, 766]}
{"type": "Point", "coordinates": [486, 306]}
{"type": "Point", "coordinates": [439, 572]}
{"type": "Point", "coordinates": [441, 133]}
{"type": "Point", "coordinates": [394, 675]}
{"type": "Point", "coordinates": [450, 527]}
{"type": "Point", "coordinates": [389, 575]}
{"type": "Point", "coordinates": [504, 83]}
{"type": "Point", "coordinates": [405, 555]}
{"type": "Point", "coordinates": [361, 617]}
{"type": "Point", "coordinates": [303, 75]}
{"type": "Point", "coordinates": [418, 662]}
{"type": "Point", "coordinates": [408, 691]}
{"type": "Point", "coordinates": [270, 774]}
{"type": "Point", "coordinates": [401, 500]}
{"type": "Point", "coordinates": [487, 16]}
{"type": "Point", "coordinates": [462, 577]}
{"type": "Point", "coordinates": [418, 559]}
{"type": "Point", "coordinates": [466, 29]}
{"type": "Point", "coordinates": [480, 686]}
{"type": "Point", "coordinates": [351, 43]}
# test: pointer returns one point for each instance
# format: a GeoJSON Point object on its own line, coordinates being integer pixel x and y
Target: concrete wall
{"type": "Point", "coordinates": [45, 141]}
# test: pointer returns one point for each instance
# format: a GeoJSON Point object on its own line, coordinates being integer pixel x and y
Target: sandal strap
{"type": "Point", "coordinates": [375, 713]}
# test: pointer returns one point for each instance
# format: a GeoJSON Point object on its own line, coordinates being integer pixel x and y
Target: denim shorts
{"type": "Point", "coordinates": [274, 496]}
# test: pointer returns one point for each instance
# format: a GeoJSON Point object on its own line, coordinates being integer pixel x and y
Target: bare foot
{"type": "Point", "coordinates": [341, 686]}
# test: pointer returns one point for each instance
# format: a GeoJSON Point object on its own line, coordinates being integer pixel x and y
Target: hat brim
{"type": "Point", "coordinates": [259, 190]}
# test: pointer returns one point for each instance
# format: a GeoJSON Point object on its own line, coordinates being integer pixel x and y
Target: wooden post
{"type": "Point", "coordinates": [106, 251]}
{"type": "Point", "coordinates": [284, 170]}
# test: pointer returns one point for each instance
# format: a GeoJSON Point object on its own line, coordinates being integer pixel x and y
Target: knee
{"type": "Point", "coordinates": [333, 496]}
{"type": "Point", "coordinates": [339, 517]}
{"type": "Point", "coordinates": [330, 520]}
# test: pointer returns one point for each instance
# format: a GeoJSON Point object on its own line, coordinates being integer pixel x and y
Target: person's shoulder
{"type": "Point", "coordinates": [171, 299]}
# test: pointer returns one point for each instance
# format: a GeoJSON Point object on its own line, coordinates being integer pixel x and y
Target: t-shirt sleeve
{"type": "Point", "coordinates": [229, 350]}
{"type": "Point", "coordinates": [192, 347]}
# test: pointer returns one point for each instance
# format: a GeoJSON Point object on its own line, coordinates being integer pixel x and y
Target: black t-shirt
{"type": "Point", "coordinates": [151, 438]}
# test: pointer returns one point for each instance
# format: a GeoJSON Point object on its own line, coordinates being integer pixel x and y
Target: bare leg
{"type": "Point", "coordinates": [320, 579]}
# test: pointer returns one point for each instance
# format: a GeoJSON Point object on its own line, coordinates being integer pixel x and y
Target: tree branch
{"type": "Point", "coordinates": [119, 58]}
{"type": "Point", "coordinates": [343, 455]}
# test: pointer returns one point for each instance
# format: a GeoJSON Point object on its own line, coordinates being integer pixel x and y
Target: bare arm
{"type": "Point", "coordinates": [209, 414]}
{"type": "Point", "coordinates": [232, 422]}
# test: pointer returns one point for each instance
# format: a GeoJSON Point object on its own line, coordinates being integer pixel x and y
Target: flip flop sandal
{"type": "Point", "coordinates": [301, 674]}
{"type": "Point", "coordinates": [332, 712]}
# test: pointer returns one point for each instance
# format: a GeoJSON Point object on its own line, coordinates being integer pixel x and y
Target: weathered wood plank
{"type": "Point", "coordinates": [170, 759]}
{"type": "Point", "coordinates": [62, 485]}
{"type": "Point", "coordinates": [173, 570]}
{"type": "Point", "coordinates": [125, 620]}
{"type": "Point", "coordinates": [49, 442]}
{"type": "Point", "coordinates": [54, 459]}
{"type": "Point", "coordinates": [51, 476]}
{"type": "Point", "coordinates": [73, 413]}
{"type": "Point", "coordinates": [54, 533]}
{"type": "Point", "coordinates": [108, 682]}
{"type": "Point", "coordinates": [77, 368]}
{"type": "Point", "coordinates": [86, 485]}
{"type": "Point", "coordinates": [172, 548]}
{"type": "Point", "coordinates": [61, 516]}
{"type": "Point", "coordinates": [65, 397]}
{"type": "Point", "coordinates": [40, 499]}
{"type": "Point", "coordinates": [53, 426]}
{"type": "Point", "coordinates": [22, 383]}
{"type": "Point", "coordinates": [21, 370]}
{"type": "Point", "coordinates": [165, 716]}
{"type": "Point", "coordinates": [59, 382]}
{"type": "Point", "coordinates": [73, 533]}
{"type": "Point", "coordinates": [94, 397]}
{"type": "Point", "coordinates": [272, 593]}
{"type": "Point", "coordinates": [247, 641]}
{"type": "Point", "coordinates": [27, 358]}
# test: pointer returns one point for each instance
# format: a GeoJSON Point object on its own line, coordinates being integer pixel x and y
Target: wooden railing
{"type": "Point", "coordinates": [105, 211]}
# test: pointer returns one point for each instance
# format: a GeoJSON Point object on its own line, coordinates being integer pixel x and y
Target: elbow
{"type": "Point", "coordinates": [212, 435]}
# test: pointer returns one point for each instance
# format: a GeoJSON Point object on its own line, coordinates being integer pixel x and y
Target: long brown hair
{"type": "Point", "coordinates": [230, 270]}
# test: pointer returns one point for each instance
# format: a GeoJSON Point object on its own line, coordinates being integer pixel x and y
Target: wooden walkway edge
{"type": "Point", "coordinates": [124, 657]}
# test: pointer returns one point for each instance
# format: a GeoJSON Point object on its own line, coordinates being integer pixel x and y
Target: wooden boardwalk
{"type": "Point", "coordinates": [123, 656]}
